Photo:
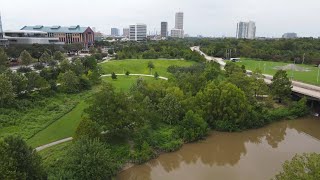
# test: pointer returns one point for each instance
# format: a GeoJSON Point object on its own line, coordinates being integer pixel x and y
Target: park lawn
{"type": "Point", "coordinates": [36, 114]}
{"type": "Point", "coordinates": [140, 66]}
{"type": "Point", "coordinates": [60, 129]}
{"type": "Point", "coordinates": [124, 83]}
{"type": "Point", "coordinates": [267, 67]}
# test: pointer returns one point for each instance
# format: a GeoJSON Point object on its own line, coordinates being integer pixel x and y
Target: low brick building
{"type": "Point", "coordinates": [68, 35]}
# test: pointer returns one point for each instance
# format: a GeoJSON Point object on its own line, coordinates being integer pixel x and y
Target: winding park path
{"type": "Point", "coordinates": [40, 148]}
{"type": "Point", "coordinates": [308, 90]}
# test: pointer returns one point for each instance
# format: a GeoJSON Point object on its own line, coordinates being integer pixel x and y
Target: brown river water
{"type": "Point", "coordinates": [250, 155]}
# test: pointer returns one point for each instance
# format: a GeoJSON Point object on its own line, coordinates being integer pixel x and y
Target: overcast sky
{"type": "Point", "coordinates": [202, 17]}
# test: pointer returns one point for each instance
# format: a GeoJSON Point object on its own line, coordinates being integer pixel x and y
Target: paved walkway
{"type": "Point", "coordinates": [143, 75]}
{"type": "Point", "coordinates": [297, 87]}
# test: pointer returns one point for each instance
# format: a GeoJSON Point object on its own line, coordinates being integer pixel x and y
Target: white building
{"type": "Point", "coordinates": [246, 30]}
{"type": "Point", "coordinates": [179, 20]}
{"type": "Point", "coordinates": [177, 33]}
{"type": "Point", "coordinates": [138, 32]}
{"type": "Point", "coordinates": [30, 37]}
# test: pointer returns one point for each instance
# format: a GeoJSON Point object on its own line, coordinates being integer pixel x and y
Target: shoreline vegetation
{"type": "Point", "coordinates": [141, 117]}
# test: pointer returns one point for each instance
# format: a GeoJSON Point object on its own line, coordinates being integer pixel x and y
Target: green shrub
{"type": "Point", "coordinates": [142, 153]}
{"type": "Point", "coordinates": [193, 127]}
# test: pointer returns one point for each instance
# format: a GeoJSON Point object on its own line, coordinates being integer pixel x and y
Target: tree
{"type": "Point", "coordinates": [6, 90]}
{"type": "Point", "coordinates": [94, 77]}
{"type": "Point", "coordinates": [170, 109]}
{"type": "Point", "coordinates": [18, 81]}
{"type": "Point", "coordinates": [19, 161]}
{"type": "Point", "coordinates": [65, 65]}
{"type": "Point", "coordinates": [151, 66]}
{"type": "Point", "coordinates": [156, 75]}
{"type": "Point", "coordinates": [45, 57]}
{"type": "Point", "coordinates": [88, 129]}
{"type": "Point", "coordinates": [35, 81]}
{"type": "Point", "coordinates": [4, 61]}
{"type": "Point", "coordinates": [114, 111]}
{"type": "Point", "coordinates": [113, 76]}
{"type": "Point", "coordinates": [225, 106]}
{"type": "Point", "coordinates": [193, 127]}
{"type": "Point", "coordinates": [58, 56]}
{"type": "Point", "coordinates": [77, 67]}
{"type": "Point", "coordinates": [69, 82]}
{"type": "Point", "coordinates": [89, 159]}
{"type": "Point", "coordinates": [25, 58]}
{"type": "Point", "coordinates": [281, 85]}
{"type": "Point", "coordinates": [306, 166]}
{"type": "Point", "coordinates": [127, 73]}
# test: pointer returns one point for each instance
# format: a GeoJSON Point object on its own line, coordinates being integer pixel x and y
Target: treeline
{"type": "Point", "coordinates": [173, 49]}
{"type": "Point", "coordinates": [151, 118]}
{"type": "Point", "coordinates": [51, 74]}
{"type": "Point", "coordinates": [160, 117]}
{"type": "Point", "coordinates": [287, 50]}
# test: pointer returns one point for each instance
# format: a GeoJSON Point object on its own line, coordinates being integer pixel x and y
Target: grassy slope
{"type": "Point", "coordinates": [141, 66]}
{"type": "Point", "coordinates": [307, 77]}
{"type": "Point", "coordinates": [66, 126]}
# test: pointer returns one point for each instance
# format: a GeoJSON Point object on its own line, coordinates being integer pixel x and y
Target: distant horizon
{"type": "Point", "coordinates": [204, 17]}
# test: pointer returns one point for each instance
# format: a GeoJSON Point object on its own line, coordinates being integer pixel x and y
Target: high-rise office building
{"type": "Point", "coordinates": [290, 36]}
{"type": "Point", "coordinates": [246, 30]}
{"type": "Point", "coordinates": [179, 20]}
{"type": "Point", "coordinates": [178, 31]}
{"type": "Point", "coordinates": [164, 29]}
{"type": "Point", "coordinates": [126, 32]}
{"type": "Point", "coordinates": [115, 32]}
{"type": "Point", "coordinates": [138, 32]}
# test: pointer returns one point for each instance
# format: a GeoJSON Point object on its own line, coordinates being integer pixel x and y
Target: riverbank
{"type": "Point", "coordinates": [252, 154]}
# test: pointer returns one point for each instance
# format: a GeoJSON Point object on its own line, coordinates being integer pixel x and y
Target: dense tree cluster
{"type": "Point", "coordinates": [156, 50]}
{"type": "Point", "coordinates": [304, 50]}
{"type": "Point", "coordinates": [60, 76]}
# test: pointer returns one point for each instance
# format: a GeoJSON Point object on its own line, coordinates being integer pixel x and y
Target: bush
{"type": "Point", "coordinates": [88, 129]}
{"type": "Point", "coordinates": [166, 139]}
{"type": "Point", "coordinates": [142, 153]}
{"type": "Point", "coordinates": [38, 66]}
{"type": "Point", "coordinates": [193, 127]}
{"type": "Point", "coordinates": [24, 69]}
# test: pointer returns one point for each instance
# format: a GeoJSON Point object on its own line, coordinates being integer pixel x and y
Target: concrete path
{"type": "Point", "coordinates": [40, 148]}
{"type": "Point", "coordinates": [143, 75]}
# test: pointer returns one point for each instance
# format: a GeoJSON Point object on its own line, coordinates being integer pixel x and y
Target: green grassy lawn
{"type": "Point", "coordinates": [140, 66]}
{"type": "Point", "coordinates": [60, 129]}
{"type": "Point", "coordinates": [267, 67]}
{"type": "Point", "coordinates": [124, 83]}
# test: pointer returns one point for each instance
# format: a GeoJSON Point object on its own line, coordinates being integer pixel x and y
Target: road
{"type": "Point", "coordinates": [297, 87]}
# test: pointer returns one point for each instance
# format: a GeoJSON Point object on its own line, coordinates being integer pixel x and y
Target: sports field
{"type": "Point", "coordinates": [303, 73]}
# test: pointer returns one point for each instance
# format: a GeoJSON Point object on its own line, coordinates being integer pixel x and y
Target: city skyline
{"type": "Point", "coordinates": [206, 18]}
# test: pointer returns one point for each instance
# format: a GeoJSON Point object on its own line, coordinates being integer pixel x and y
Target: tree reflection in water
{"type": "Point", "coordinates": [221, 149]}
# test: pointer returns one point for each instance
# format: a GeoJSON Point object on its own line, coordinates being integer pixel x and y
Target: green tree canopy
{"type": "Point", "coordinates": [69, 82]}
{"type": "Point", "coordinates": [45, 57]}
{"type": "Point", "coordinates": [306, 166]}
{"type": "Point", "coordinates": [4, 61]}
{"type": "Point", "coordinates": [88, 129]}
{"type": "Point", "coordinates": [25, 58]}
{"type": "Point", "coordinates": [19, 161]}
{"type": "Point", "coordinates": [281, 85]}
{"type": "Point", "coordinates": [170, 109]}
{"type": "Point", "coordinates": [193, 127]}
{"type": "Point", "coordinates": [59, 56]}
{"type": "Point", "coordinates": [89, 159]}
{"type": "Point", "coordinates": [6, 90]}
